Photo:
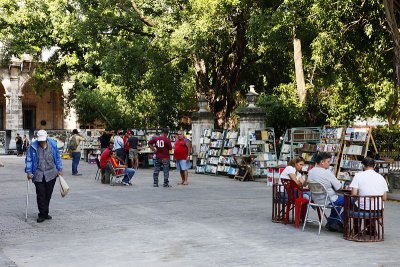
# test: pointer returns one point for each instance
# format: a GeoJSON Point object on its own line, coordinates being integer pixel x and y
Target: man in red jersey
{"type": "Point", "coordinates": [182, 154]}
{"type": "Point", "coordinates": [161, 145]}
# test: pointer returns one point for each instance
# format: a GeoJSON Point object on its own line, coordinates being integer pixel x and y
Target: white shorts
{"type": "Point", "coordinates": [183, 165]}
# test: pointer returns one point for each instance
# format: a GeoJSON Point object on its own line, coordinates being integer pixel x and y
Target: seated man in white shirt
{"type": "Point", "coordinates": [368, 182]}
{"type": "Point", "coordinates": [321, 174]}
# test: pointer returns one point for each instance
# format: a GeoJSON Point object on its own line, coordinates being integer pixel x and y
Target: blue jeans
{"type": "Point", "coordinates": [76, 156]}
{"type": "Point", "coordinates": [129, 172]}
{"type": "Point", "coordinates": [19, 149]}
{"type": "Point", "coordinates": [157, 166]}
{"type": "Point", "coordinates": [334, 217]}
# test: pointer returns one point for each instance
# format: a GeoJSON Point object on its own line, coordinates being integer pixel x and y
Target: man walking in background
{"type": "Point", "coordinates": [133, 142]}
{"type": "Point", "coordinates": [119, 146]}
{"type": "Point", "coordinates": [161, 145]}
{"type": "Point", "coordinates": [75, 148]}
{"type": "Point", "coordinates": [19, 142]}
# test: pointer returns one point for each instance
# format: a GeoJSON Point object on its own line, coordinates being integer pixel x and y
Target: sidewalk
{"type": "Point", "coordinates": [214, 221]}
{"type": "Point", "coordinates": [394, 195]}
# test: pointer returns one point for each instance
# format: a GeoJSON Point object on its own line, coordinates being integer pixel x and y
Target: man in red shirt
{"type": "Point", "coordinates": [105, 156]}
{"type": "Point", "coordinates": [182, 154]}
{"type": "Point", "coordinates": [161, 145]}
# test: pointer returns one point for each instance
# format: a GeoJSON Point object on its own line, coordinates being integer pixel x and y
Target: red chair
{"type": "Point", "coordinates": [295, 202]}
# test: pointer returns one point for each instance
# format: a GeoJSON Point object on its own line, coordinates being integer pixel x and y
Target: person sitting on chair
{"type": "Point", "coordinates": [128, 172]}
{"type": "Point", "coordinates": [321, 174]}
{"type": "Point", "coordinates": [104, 158]}
{"type": "Point", "coordinates": [292, 171]}
{"type": "Point", "coordinates": [369, 183]}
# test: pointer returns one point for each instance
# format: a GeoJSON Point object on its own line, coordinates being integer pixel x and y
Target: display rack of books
{"type": "Point", "coordinates": [214, 152]}
{"type": "Point", "coordinates": [142, 144]}
{"type": "Point", "coordinates": [226, 162]}
{"type": "Point", "coordinates": [205, 141]}
{"type": "Point", "coordinates": [285, 154]}
{"type": "Point", "coordinates": [91, 146]}
{"type": "Point", "coordinates": [2, 142]}
{"type": "Point", "coordinates": [382, 167]}
{"type": "Point", "coordinates": [262, 144]}
{"type": "Point", "coordinates": [172, 137]}
{"type": "Point", "coordinates": [304, 143]}
{"type": "Point", "coordinates": [141, 136]}
{"type": "Point", "coordinates": [188, 135]}
{"type": "Point", "coordinates": [356, 144]}
{"type": "Point", "coordinates": [332, 142]}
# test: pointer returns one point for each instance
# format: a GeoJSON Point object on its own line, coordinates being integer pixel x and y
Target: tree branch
{"type": "Point", "coordinates": [142, 18]}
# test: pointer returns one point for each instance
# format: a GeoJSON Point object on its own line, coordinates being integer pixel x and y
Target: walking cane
{"type": "Point", "coordinates": [27, 200]}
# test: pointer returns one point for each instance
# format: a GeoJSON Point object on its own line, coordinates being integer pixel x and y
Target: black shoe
{"type": "Point", "coordinates": [48, 217]}
{"type": "Point", "coordinates": [166, 185]}
{"type": "Point", "coordinates": [155, 185]}
{"type": "Point", "coordinates": [334, 227]}
{"type": "Point", "coordinates": [77, 174]}
{"type": "Point", "coordinates": [40, 219]}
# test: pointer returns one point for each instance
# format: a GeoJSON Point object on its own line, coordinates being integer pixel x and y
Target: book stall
{"type": "Point", "coordinates": [262, 144]}
{"type": "Point", "coordinates": [357, 141]}
{"type": "Point", "coordinates": [90, 148]}
{"type": "Point", "coordinates": [214, 151]}
{"type": "Point", "coordinates": [233, 146]}
{"type": "Point", "coordinates": [205, 141]}
{"type": "Point", "coordinates": [332, 142]}
{"type": "Point", "coordinates": [2, 142]}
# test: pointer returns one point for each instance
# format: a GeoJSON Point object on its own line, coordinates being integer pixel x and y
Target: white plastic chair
{"type": "Point", "coordinates": [318, 189]}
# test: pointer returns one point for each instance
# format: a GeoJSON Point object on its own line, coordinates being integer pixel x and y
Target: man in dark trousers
{"type": "Point", "coordinates": [19, 143]}
{"type": "Point", "coordinates": [161, 145]}
{"type": "Point", "coordinates": [42, 166]}
{"type": "Point", "coordinates": [133, 142]}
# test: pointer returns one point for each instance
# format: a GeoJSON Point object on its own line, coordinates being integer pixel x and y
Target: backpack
{"type": "Point", "coordinates": [72, 144]}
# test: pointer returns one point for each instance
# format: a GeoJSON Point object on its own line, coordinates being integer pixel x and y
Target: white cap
{"type": "Point", "coordinates": [42, 135]}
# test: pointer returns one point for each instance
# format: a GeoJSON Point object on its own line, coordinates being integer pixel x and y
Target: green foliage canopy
{"type": "Point", "coordinates": [142, 63]}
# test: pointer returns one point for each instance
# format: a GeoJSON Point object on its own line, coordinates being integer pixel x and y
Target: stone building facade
{"type": "Point", "coordinates": [22, 108]}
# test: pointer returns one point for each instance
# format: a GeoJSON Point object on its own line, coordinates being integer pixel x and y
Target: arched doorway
{"type": "Point", "coordinates": [42, 112]}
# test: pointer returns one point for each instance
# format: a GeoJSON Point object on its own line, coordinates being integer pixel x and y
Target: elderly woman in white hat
{"type": "Point", "coordinates": [43, 165]}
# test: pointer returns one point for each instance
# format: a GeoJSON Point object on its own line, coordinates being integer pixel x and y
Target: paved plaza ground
{"type": "Point", "coordinates": [215, 221]}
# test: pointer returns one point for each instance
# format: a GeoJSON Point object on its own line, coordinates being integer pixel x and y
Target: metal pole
{"type": "Point", "coordinates": [27, 200]}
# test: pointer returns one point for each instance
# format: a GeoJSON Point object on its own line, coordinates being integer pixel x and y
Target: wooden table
{"type": "Point", "coordinates": [245, 163]}
{"type": "Point", "coordinates": [344, 191]}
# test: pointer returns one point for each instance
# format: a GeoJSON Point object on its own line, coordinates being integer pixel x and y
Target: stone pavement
{"type": "Point", "coordinates": [214, 221]}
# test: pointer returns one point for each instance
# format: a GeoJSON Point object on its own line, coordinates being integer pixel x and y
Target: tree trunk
{"type": "Point", "coordinates": [227, 73]}
{"type": "Point", "coordinates": [390, 11]}
{"type": "Point", "coordinates": [298, 66]}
